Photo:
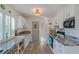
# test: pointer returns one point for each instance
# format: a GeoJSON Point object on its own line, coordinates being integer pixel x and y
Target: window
{"type": "Point", "coordinates": [12, 26]}
{"type": "Point", "coordinates": [1, 26]}
{"type": "Point", "coordinates": [9, 26]}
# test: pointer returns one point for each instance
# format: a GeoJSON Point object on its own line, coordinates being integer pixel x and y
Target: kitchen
{"type": "Point", "coordinates": [57, 28]}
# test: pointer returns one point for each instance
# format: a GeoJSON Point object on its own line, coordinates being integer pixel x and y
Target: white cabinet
{"type": "Point", "coordinates": [64, 14]}
{"type": "Point", "coordinates": [69, 11]}
{"type": "Point", "coordinates": [20, 25]}
{"type": "Point", "coordinates": [77, 16]}
{"type": "Point", "coordinates": [72, 11]}
{"type": "Point", "coordinates": [57, 47]}
{"type": "Point", "coordinates": [61, 18]}
{"type": "Point", "coordinates": [17, 48]}
{"type": "Point", "coordinates": [27, 40]}
{"type": "Point", "coordinates": [20, 22]}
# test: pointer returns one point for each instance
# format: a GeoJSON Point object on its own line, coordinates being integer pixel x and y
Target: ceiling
{"type": "Point", "coordinates": [48, 10]}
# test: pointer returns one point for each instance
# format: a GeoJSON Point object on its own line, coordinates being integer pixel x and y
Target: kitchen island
{"type": "Point", "coordinates": [15, 45]}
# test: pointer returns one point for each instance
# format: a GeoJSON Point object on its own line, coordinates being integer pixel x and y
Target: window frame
{"type": "Point", "coordinates": [10, 26]}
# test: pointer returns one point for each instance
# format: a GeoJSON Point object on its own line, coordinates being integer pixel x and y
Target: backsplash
{"type": "Point", "coordinates": [72, 32]}
{"type": "Point", "coordinates": [74, 39]}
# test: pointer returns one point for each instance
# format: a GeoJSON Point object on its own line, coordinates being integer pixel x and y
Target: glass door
{"type": "Point", "coordinates": [7, 26]}
{"type": "Point", "coordinates": [1, 26]}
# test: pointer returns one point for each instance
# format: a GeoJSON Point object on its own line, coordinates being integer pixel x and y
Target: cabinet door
{"type": "Point", "coordinates": [18, 22]}
{"type": "Point", "coordinates": [55, 46]}
{"type": "Point", "coordinates": [67, 12]}
{"type": "Point", "coordinates": [27, 40]}
{"type": "Point", "coordinates": [15, 50]}
{"type": "Point", "coordinates": [58, 48]}
{"type": "Point", "coordinates": [72, 10]}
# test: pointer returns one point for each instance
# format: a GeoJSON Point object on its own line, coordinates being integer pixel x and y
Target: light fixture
{"type": "Point", "coordinates": [37, 11]}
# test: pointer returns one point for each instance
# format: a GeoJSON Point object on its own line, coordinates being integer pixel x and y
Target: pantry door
{"type": "Point", "coordinates": [35, 31]}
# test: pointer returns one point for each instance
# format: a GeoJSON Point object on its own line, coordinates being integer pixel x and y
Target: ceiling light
{"type": "Point", "coordinates": [37, 11]}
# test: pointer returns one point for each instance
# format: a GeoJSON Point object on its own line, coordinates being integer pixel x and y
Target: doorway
{"type": "Point", "coordinates": [35, 32]}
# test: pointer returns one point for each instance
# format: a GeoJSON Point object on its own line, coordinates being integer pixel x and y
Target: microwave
{"type": "Point", "coordinates": [69, 23]}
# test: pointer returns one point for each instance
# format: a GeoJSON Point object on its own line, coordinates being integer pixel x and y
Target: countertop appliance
{"type": "Point", "coordinates": [69, 23]}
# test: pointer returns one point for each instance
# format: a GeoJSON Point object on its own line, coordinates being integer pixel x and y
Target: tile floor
{"type": "Point", "coordinates": [37, 48]}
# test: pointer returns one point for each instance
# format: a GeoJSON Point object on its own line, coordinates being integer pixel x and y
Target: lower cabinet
{"type": "Point", "coordinates": [20, 46]}
{"type": "Point", "coordinates": [12, 50]}
{"type": "Point", "coordinates": [16, 49]}
{"type": "Point", "coordinates": [57, 47]}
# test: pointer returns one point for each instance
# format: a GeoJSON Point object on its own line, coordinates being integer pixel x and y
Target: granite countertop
{"type": "Point", "coordinates": [67, 41]}
{"type": "Point", "coordinates": [8, 44]}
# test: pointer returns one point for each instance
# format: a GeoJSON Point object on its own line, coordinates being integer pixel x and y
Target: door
{"type": "Point", "coordinates": [35, 31]}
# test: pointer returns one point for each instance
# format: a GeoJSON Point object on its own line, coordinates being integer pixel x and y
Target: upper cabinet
{"type": "Point", "coordinates": [61, 18]}
{"type": "Point", "coordinates": [20, 22]}
{"type": "Point", "coordinates": [69, 11]}
{"type": "Point", "coordinates": [77, 16]}
{"type": "Point", "coordinates": [72, 10]}
{"type": "Point", "coordinates": [66, 12]}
